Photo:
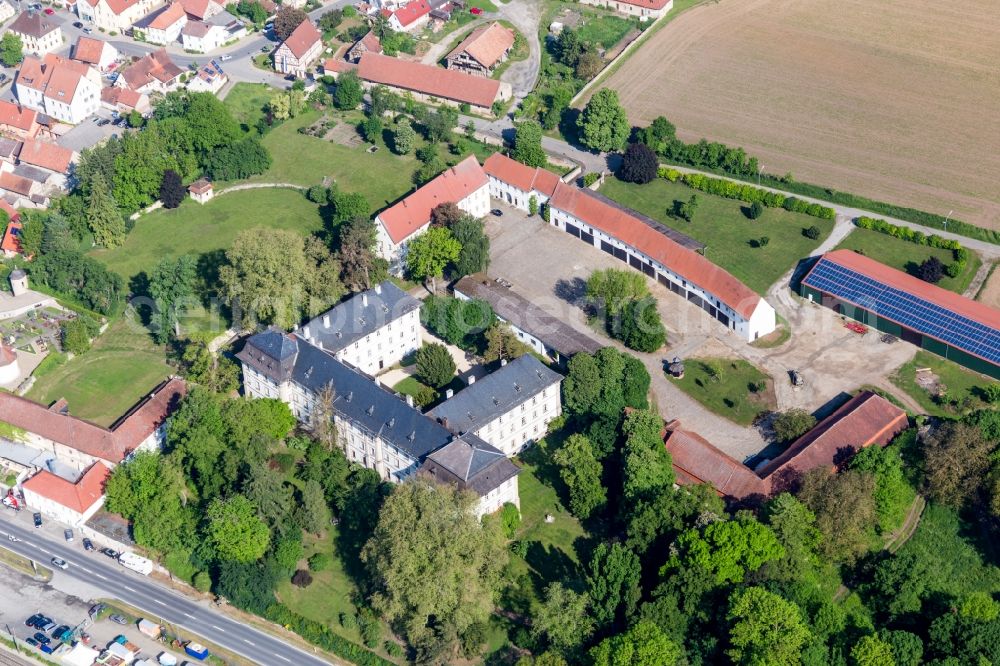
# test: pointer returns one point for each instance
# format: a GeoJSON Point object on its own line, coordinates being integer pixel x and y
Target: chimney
{"type": "Point", "coordinates": [503, 362]}
{"type": "Point", "coordinates": [472, 380]}
{"type": "Point", "coordinates": [378, 289]}
{"type": "Point", "coordinates": [409, 400]}
{"type": "Point", "coordinates": [305, 333]}
{"type": "Point", "coordinates": [448, 394]}
{"type": "Point", "coordinates": [364, 299]}
{"type": "Point", "coordinates": [326, 320]}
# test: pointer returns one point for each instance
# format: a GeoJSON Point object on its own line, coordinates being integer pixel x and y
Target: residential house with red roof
{"type": "Point", "coordinates": [644, 10]}
{"type": "Point", "coordinates": [482, 51]}
{"type": "Point", "coordinates": [39, 34]}
{"type": "Point", "coordinates": [369, 43]}
{"type": "Point", "coordinates": [69, 502]}
{"type": "Point", "coordinates": [429, 83]}
{"type": "Point", "coordinates": [51, 160]}
{"type": "Point", "coordinates": [164, 25]}
{"type": "Point", "coordinates": [464, 184]}
{"type": "Point", "coordinates": [94, 52]}
{"type": "Point", "coordinates": [208, 35]}
{"type": "Point", "coordinates": [152, 73]}
{"type": "Point", "coordinates": [866, 419]}
{"type": "Point", "coordinates": [515, 184]}
{"type": "Point", "coordinates": [209, 78]}
{"type": "Point", "coordinates": [18, 121]}
{"type": "Point", "coordinates": [200, 10]}
{"type": "Point", "coordinates": [409, 17]}
{"type": "Point", "coordinates": [66, 90]}
{"type": "Point", "coordinates": [298, 53]}
{"type": "Point", "coordinates": [124, 100]}
{"type": "Point", "coordinates": [115, 15]}
{"type": "Point", "coordinates": [11, 243]}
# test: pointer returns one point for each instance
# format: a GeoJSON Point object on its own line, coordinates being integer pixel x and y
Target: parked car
{"type": "Point", "coordinates": [96, 610]}
{"type": "Point", "coordinates": [77, 24]}
{"type": "Point", "coordinates": [102, 122]}
{"type": "Point", "coordinates": [88, 544]}
{"type": "Point", "coordinates": [38, 519]}
{"type": "Point", "coordinates": [31, 641]}
{"type": "Point", "coordinates": [49, 11]}
{"type": "Point", "coordinates": [113, 554]}
{"type": "Point", "coordinates": [46, 625]}
{"type": "Point", "coordinates": [496, 212]}
{"type": "Point", "coordinates": [68, 534]}
{"type": "Point", "coordinates": [87, 31]}
{"type": "Point", "coordinates": [476, 11]}
{"type": "Point", "coordinates": [41, 638]}
{"type": "Point", "coordinates": [795, 378]}
{"type": "Point", "coordinates": [47, 649]}
{"type": "Point", "coordinates": [225, 57]}
{"type": "Point", "coordinates": [59, 562]}
{"type": "Point", "coordinates": [118, 619]}
{"type": "Point", "coordinates": [61, 631]}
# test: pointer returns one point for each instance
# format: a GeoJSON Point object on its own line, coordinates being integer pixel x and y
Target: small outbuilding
{"type": "Point", "coordinates": [201, 190]}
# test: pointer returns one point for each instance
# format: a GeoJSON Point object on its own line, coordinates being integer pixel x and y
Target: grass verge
{"type": "Point", "coordinates": [958, 389]}
{"type": "Point", "coordinates": [723, 386]}
{"type": "Point", "coordinates": [23, 564]}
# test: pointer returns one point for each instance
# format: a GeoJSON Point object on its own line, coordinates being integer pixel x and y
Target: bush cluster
{"type": "Point", "coordinates": [322, 636]}
{"type": "Point", "coordinates": [960, 254]}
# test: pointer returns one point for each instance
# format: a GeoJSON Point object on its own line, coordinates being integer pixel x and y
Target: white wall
{"type": "Point", "coordinates": [56, 511]}
{"type": "Point", "coordinates": [514, 431]}
{"type": "Point", "coordinates": [514, 196]}
{"type": "Point", "coordinates": [496, 498]}
{"type": "Point", "coordinates": [385, 346]}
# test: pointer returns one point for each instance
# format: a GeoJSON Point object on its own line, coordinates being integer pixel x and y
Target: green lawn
{"type": "Point", "coordinates": [729, 235]}
{"type": "Point", "coordinates": [963, 387]}
{"type": "Point", "coordinates": [414, 387]}
{"type": "Point", "coordinates": [199, 229]}
{"type": "Point", "coordinates": [729, 393]}
{"type": "Point", "coordinates": [906, 256]}
{"type": "Point", "coordinates": [603, 29]}
{"type": "Point", "coordinates": [246, 102]}
{"type": "Point", "coordinates": [101, 384]}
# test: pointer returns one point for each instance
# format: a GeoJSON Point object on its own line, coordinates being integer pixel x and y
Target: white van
{"type": "Point", "coordinates": [136, 563]}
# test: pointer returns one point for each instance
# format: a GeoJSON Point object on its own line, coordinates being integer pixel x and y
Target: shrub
{"type": "Point", "coordinates": [792, 424]}
{"type": "Point", "coordinates": [812, 232]}
{"type": "Point", "coordinates": [435, 366]}
{"type": "Point", "coordinates": [639, 164]}
{"type": "Point", "coordinates": [590, 178]}
{"type": "Point", "coordinates": [756, 210]}
{"type": "Point", "coordinates": [510, 519]}
{"type": "Point", "coordinates": [532, 205]}
{"type": "Point", "coordinates": [931, 270]}
{"type": "Point", "coordinates": [320, 562]}
{"type": "Point", "coordinates": [348, 620]}
{"type": "Point", "coordinates": [283, 461]}
{"type": "Point", "coordinates": [763, 241]}
{"type": "Point", "coordinates": [520, 547]}
{"type": "Point", "coordinates": [371, 631]}
{"type": "Point", "coordinates": [202, 581]}
{"type": "Point", "coordinates": [302, 578]}
{"type": "Point", "coordinates": [317, 194]}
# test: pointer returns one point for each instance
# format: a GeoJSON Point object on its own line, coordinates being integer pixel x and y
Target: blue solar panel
{"type": "Point", "coordinates": [906, 309]}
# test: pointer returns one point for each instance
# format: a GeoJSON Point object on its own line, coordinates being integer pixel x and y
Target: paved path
{"type": "Point", "coordinates": [523, 75]}
{"type": "Point", "coordinates": [261, 186]}
{"type": "Point", "coordinates": [978, 280]}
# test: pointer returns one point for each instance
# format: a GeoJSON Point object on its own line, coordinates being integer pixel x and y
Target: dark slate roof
{"type": "Point", "coordinates": [470, 463]}
{"type": "Point", "coordinates": [495, 394]}
{"type": "Point", "coordinates": [525, 315]}
{"type": "Point", "coordinates": [359, 316]}
{"type": "Point", "coordinates": [271, 353]}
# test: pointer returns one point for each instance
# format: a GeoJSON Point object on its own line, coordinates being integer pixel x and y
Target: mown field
{"type": "Point", "coordinates": [895, 100]}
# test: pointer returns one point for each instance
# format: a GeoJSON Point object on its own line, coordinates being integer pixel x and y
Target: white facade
{"type": "Point", "coordinates": [638, 9]}
{"type": "Point", "coordinates": [86, 100]}
{"type": "Point", "coordinates": [168, 34]}
{"type": "Point", "coordinates": [383, 347]}
{"type": "Point", "coordinates": [505, 493]}
{"type": "Point", "coordinates": [40, 45]}
{"type": "Point", "coordinates": [514, 196]}
{"type": "Point", "coordinates": [211, 37]}
{"type": "Point", "coordinates": [517, 429]}
{"type": "Point", "coordinates": [115, 15]}
{"type": "Point", "coordinates": [59, 512]}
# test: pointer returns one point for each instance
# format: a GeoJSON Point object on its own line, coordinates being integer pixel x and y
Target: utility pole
{"type": "Point", "coordinates": [759, 169]}
{"type": "Point", "coordinates": [13, 638]}
{"type": "Point", "coordinates": [946, 219]}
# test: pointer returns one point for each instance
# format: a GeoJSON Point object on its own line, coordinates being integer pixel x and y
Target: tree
{"type": "Point", "coordinates": [502, 344]}
{"type": "Point", "coordinates": [171, 285]}
{"type": "Point", "coordinates": [956, 460]}
{"type": "Point", "coordinates": [639, 164]}
{"type": "Point", "coordinates": [447, 214]}
{"type": "Point", "coordinates": [360, 267]}
{"type": "Point", "coordinates": [348, 206]}
{"type": "Point", "coordinates": [253, 10]}
{"type": "Point", "coordinates": [430, 528]}
{"type": "Point", "coordinates": [871, 650]}
{"type": "Point", "coordinates": [439, 125]}
{"type": "Point", "coordinates": [581, 471]}
{"type": "Point", "coordinates": [644, 644]}
{"type": "Point", "coordinates": [589, 64]}
{"type": "Point", "coordinates": [658, 135]}
{"type": "Point", "coordinates": [105, 219]}
{"type": "Point", "coordinates": [931, 270]}
{"type": "Point", "coordinates": [239, 160]}
{"type": "Point", "coordinates": [844, 505]}
{"type": "Point", "coordinates": [528, 144]}
{"type": "Point", "coordinates": [756, 210]}
{"type": "Point", "coordinates": [613, 583]}
{"type": "Point", "coordinates": [403, 137]}
{"type": "Point", "coordinates": [640, 327]}
{"type": "Point", "coordinates": [687, 209]}
{"type": "Point", "coordinates": [150, 491]}
{"type": "Point", "coordinates": [792, 424]}
{"type": "Point", "coordinates": [278, 281]}
{"type": "Point", "coordinates": [603, 124]}
{"type": "Point", "coordinates": [647, 468]}
{"type": "Point", "coordinates": [435, 366]}
{"type": "Point", "coordinates": [11, 49]}
{"type": "Point", "coordinates": [812, 233]}
{"type": "Point", "coordinates": [474, 257]}
{"type": "Point", "coordinates": [728, 549]}
{"type": "Point", "coordinates": [349, 92]}
{"type": "Point", "coordinates": [287, 20]}
{"type": "Point", "coordinates": [429, 253]}
{"type": "Point", "coordinates": [329, 21]}
{"type": "Point", "coordinates": [237, 534]}
{"type": "Point", "coordinates": [765, 629]}
{"type": "Point", "coordinates": [33, 232]}
{"type": "Point", "coordinates": [75, 335]}
{"type": "Point", "coordinates": [371, 128]}
{"type": "Point", "coordinates": [794, 525]}
{"type": "Point", "coordinates": [612, 288]}
{"type": "Point", "coordinates": [171, 189]}
{"type": "Point", "coordinates": [314, 514]}
{"type": "Point", "coordinates": [563, 618]}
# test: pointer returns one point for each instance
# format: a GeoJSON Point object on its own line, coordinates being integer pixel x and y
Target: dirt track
{"type": "Point", "coordinates": [897, 100]}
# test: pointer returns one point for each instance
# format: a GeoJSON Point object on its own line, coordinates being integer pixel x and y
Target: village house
{"type": "Point", "coordinates": [371, 330]}
{"type": "Point", "coordinates": [94, 52]}
{"type": "Point", "coordinates": [376, 428]}
{"type": "Point", "coordinates": [515, 184]}
{"type": "Point", "coordinates": [210, 78]}
{"type": "Point", "coordinates": [367, 44]}
{"type": "Point", "coordinates": [201, 10]}
{"type": "Point", "coordinates": [409, 17]}
{"type": "Point", "coordinates": [510, 408]}
{"type": "Point", "coordinates": [6, 11]}
{"type": "Point", "coordinates": [50, 163]}
{"type": "Point", "coordinates": [17, 121]}
{"type": "Point", "coordinates": [66, 90]}
{"type": "Point", "coordinates": [10, 245]}
{"type": "Point", "coordinates": [39, 34]}
{"type": "Point", "coordinates": [163, 26]}
{"type": "Point", "coordinates": [298, 53]}
{"type": "Point", "coordinates": [115, 16]}
{"type": "Point", "coordinates": [62, 461]}
{"type": "Point", "coordinates": [644, 10]}
{"type": "Point", "coordinates": [153, 73]}
{"type": "Point", "coordinates": [125, 101]}
{"type": "Point", "coordinates": [482, 51]}
{"type": "Point", "coordinates": [464, 184]}
{"type": "Point", "coordinates": [210, 34]}
{"type": "Point", "coordinates": [201, 190]}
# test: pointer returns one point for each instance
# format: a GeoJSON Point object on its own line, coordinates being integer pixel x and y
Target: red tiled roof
{"type": "Point", "coordinates": [32, 24]}
{"type": "Point", "coordinates": [46, 155]}
{"type": "Point", "coordinates": [865, 419]}
{"type": "Point", "coordinates": [412, 11]}
{"type": "Point", "coordinates": [336, 65]}
{"type": "Point", "coordinates": [169, 16]}
{"type": "Point", "coordinates": [696, 460]}
{"type": "Point", "coordinates": [646, 4]}
{"type": "Point", "coordinates": [521, 176]}
{"type": "Point", "coordinates": [371, 42]}
{"type": "Point", "coordinates": [200, 186]}
{"type": "Point", "coordinates": [156, 65]}
{"type": "Point", "coordinates": [451, 186]}
{"type": "Point", "coordinates": [690, 265]}
{"type": "Point", "coordinates": [111, 445]}
{"type": "Point", "coordinates": [486, 44]}
{"type": "Point", "coordinates": [116, 6]}
{"type": "Point", "coordinates": [56, 77]}
{"type": "Point", "coordinates": [12, 213]}
{"type": "Point", "coordinates": [303, 38]}
{"type": "Point", "coordinates": [948, 300]}
{"type": "Point", "coordinates": [17, 184]}
{"type": "Point", "coordinates": [428, 79]}
{"type": "Point", "coordinates": [123, 96]}
{"type": "Point", "coordinates": [79, 496]}
{"type": "Point", "coordinates": [12, 236]}
{"type": "Point", "coordinates": [16, 116]}
{"type": "Point", "coordinates": [196, 8]}
{"type": "Point", "coordinates": [88, 50]}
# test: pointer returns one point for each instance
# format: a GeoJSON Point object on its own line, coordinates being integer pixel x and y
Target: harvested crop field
{"type": "Point", "coordinates": [897, 100]}
{"type": "Point", "coordinates": [990, 294]}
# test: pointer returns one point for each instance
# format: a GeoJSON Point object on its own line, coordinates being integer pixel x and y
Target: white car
{"type": "Point", "coordinates": [225, 57]}
{"type": "Point", "coordinates": [61, 563]}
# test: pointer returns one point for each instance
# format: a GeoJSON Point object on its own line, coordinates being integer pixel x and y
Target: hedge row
{"type": "Point", "coordinates": [748, 193]}
{"type": "Point", "coordinates": [322, 636]}
{"type": "Point", "coordinates": [960, 253]}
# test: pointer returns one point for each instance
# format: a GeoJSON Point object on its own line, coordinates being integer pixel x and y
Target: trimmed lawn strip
{"type": "Point", "coordinates": [199, 229]}
{"type": "Point", "coordinates": [962, 385]}
{"type": "Point", "coordinates": [729, 395]}
{"type": "Point", "coordinates": [906, 256]}
{"type": "Point", "coordinates": [721, 225]}
{"type": "Point", "coordinates": [103, 383]}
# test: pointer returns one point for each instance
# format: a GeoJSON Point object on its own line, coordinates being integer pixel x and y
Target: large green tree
{"type": "Point", "coordinates": [641, 328]}
{"type": "Point", "coordinates": [844, 505]}
{"type": "Point", "coordinates": [106, 221]}
{"type": "Point", "coordinates": [314, 514]}
{"type": "Point", "coordinates": [611, 289]}
{"type": "Point", "coordinates": [435, 366]}
{"type": "Point", "coordinates": [644, 644]}
{"type": "Point", "coordinates": [429, 253]}
{"type": "Point", "coordinates": [236, 532]}
{"type": "Point", "coordinates": [360, 267]}
{"type": "Point", "coordinates": [349, 92]}
{"type": "Point", "coordinates": [791, 424]}
{"type": "Point", "coordinates": [171, 286]}
{"type": "Point", "coordinates": [956, 460]}
{"type": "Point", "coordinates": [150, 491]}
{"type": "Point", "coordinates": [503, 343]}
{"type": "Point", "coordinates": [287, 20]}
{"type": "Point", "coordinates": [428, 532]}
{"type": "Point", "coordinates": [581, 471]}
{"type": "Point", "coordinates": [528, 144]}
{"type": "Point", "coordinates": [647, 468]}
{"type": "Point", "coordinates": [403, 137]}
{"type": "Point", "coordinates": [794, 525]}
{"type": "Point", "coordinates": [563, 617]}
{"type": "Point", "coordinates": [603, 124]}
{"type": "Point", "coordinates": [11, 49]}
{"type": "Point", "coordinates": [765, 629]}
{"type": "Point", "coordinates": [474, 257]}
{"type": "Point", "coordinates": [871, 650]}
{"type": "Point", "coordinates": [613, 583]}
{"type": "Point", "coordinates": [728, 549]}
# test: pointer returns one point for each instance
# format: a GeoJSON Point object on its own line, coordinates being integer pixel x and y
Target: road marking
{"type": "Point", "coordinates": [84, 569]}
{"type": "Point", "coordinates": [102, 577]}
{"type": "Point", "coordinates": [250, 642]}
{"type": "Point", "coordinates": [129, 588]}
{"type": "Point", "coordinates": [283, 658]}
{"type": "Point", "coordinates": [159, 602]}
{"type": "Point", "coordinates": [217, 627]}
{"type": "Point", "coordinates": [189, 615]}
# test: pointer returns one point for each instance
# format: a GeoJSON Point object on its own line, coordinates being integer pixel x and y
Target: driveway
{"type": "Point", "coordinates": [525, 15]}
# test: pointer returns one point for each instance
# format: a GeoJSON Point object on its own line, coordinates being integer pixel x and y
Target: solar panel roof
{"type": "Point", "coordinates": [906, 309]}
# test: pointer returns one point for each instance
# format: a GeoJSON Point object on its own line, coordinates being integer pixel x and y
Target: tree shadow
{"type": "Point", "coordinates": [573, 291]}
{"type": "Point", "coordinates": [208, 266]}
{"type": "Point", "coordinates": [549, 565]}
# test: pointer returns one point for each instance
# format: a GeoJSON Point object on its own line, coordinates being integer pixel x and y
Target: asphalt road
{"type": "Point", "coordinates": [143, 593]}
